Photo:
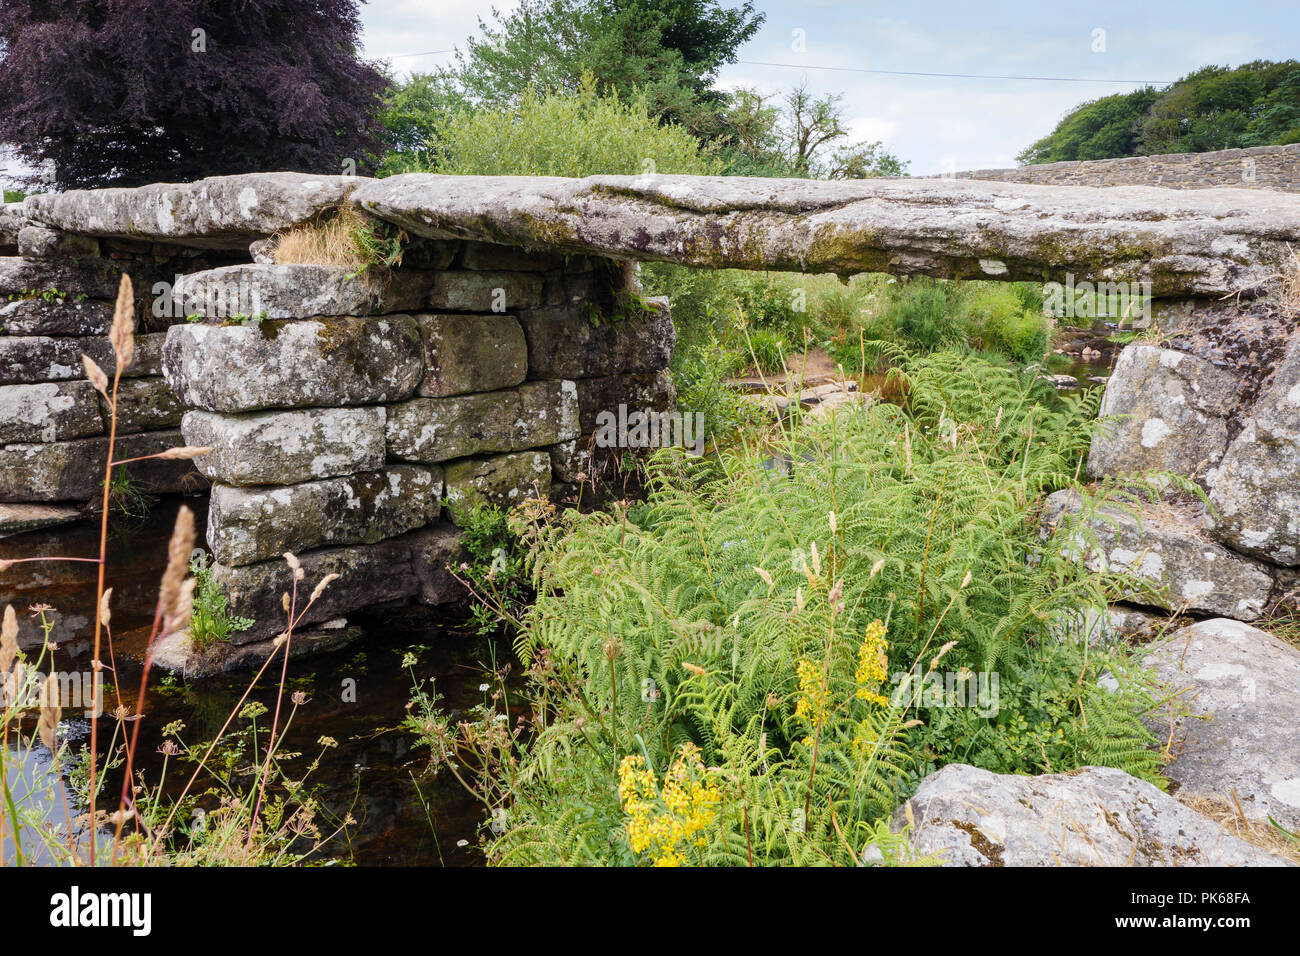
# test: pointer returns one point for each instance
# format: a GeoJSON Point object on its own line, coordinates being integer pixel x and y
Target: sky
{"type": "Point", "coordinates": [936, 124]}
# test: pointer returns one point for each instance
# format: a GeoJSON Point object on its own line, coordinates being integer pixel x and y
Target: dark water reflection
{"type": "Point", "coordinates": [356, 695]}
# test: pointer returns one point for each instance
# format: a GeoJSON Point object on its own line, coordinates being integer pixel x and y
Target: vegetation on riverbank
{"type": "Point", "coordinates": [719, 674]}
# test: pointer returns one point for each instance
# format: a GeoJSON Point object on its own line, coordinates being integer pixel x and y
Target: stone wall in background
{"type": "Point", "coordinates": [1259, 167]}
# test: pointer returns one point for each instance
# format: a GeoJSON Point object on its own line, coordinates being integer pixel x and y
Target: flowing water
{"type": "Point", "coordinates": [356, 695]}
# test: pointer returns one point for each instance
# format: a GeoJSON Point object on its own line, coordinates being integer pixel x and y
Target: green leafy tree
{"type": "Point", "coordinates": [1279, 121]}
{"type": "Point", "coordinates": [1104, 128]}
{"type": "Point", "coordinates": [557, 134]}
{"type": "Point", "coordinates": [668, 50]}
{"type": "Point", "coordinates": [411, 114]}
{"type": "Point", "coordinates": [1216, 107]}
{"type": "Point", "coordinates": [805, 137]}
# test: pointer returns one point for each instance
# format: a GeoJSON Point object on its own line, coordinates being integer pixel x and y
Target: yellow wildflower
{"type": "Point", "coordinates": [873, 664]}
{"type": "Point", "coordinates": [661, 820]}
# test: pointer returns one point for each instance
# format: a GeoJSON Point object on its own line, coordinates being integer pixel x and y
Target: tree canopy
{"type": "Point", "coordinates": [123, 93]}
{"type": "Point", "coordinates": [1216, 107]}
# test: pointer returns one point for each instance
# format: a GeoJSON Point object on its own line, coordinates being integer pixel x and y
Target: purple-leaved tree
{"type": "Point", "coordinates": [123, 92]}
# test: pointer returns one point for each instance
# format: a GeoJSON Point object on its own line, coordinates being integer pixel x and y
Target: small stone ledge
{"type": "Point", "coordinates": [287, 447]}
{"type": "Point", "coordinates": [431, 430]}
{"type": "Point", "coordinates": [409, 566]}
{"type": "Point", "coordinates": [247, 525]}
{"type": "Point", "coordinates": [223, 212]}
{"type": "Point", "coordinates": [299, 291]}
{"type": "Point", "coordinates": [74, 470]}
{"type": "Point", "coordinates": [177, 654]}
{"type": "Point", "coordinates": [1168, 546]}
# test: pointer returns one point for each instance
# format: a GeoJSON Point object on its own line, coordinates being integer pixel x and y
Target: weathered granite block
{"type": "Point", "coordinates": [48, 412]}
{"type": "Point", "coordinates": [571, 460]}
{"type": "Point", "coordinates": [40, 242]}
{"type": "Point", "coordinates": [26, 359]}
{"type": "Point", "coordinates": [503, 480]}
{"type": "Point", "coordinates": [485, 291]}
{"type": "Point", "coordinates": [96, 278]}
{"type": "Point", "coordinates": [225, 212]}
{"type": "Point", "coordinates": [563, 342]}
{"type": "Point", "coordinates": [438, 429]}
{"type": "Point", "coordinates": [144, 404]}
{"type": "Point", "coordinates": [412, 565]}
{"type": "Point", "coordinates": [1256, 489]}
{"type": "Point", "coordinates": [1168, 547]}
{"type": "Point", "coordinates": [325, 362]}
{"type": "Point", "coordinates": [287, 447]}
{"type": "Point", "coordinates": [1174, 414]}
{"type": "Point", "coordinates": [299, 291]}
{"type": "Point", "coordinates": [254, 524]}
{"type": "Point", "coordinates": [74, 470]}
{"type": "Point", "coordinates": [67, 316]}
{"type": "Point", "coordinates": [471, 353]}
{"type": "Point", "coordinates": [638, 391]}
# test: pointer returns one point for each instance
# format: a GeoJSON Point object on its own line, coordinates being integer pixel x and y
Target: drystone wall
{"type": "Point", "coordinates": [354, 417]}
{"type": "Point", "coordinates": [1259, 167]}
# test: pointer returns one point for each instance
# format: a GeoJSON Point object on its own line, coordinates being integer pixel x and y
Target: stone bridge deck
{"type": "Point", "coordinates": [354, 418]}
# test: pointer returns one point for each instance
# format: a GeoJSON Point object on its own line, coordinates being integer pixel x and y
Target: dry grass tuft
{"type": "Point", "coordinates": [1259, 833]}
{"type": "Point", "coordinates": [1289, 290]}
{"type": "Point", "coordinates": [326, 241]}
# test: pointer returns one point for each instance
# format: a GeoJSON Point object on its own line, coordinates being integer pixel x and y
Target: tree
{"type": "Point", "coordinates": [560, 134]}
{"type": "Point", "coordinates": [123, 93]}
{"type": "Point", "coordinates": [802, 138]}
{"type": "Point", "coordinates": [669, 51]}
{"type": "Point", "coordinates": [1216, 107]}
{"type": "Point", "coordinates": [1279, 120]}
{"type": "Point", "coordinates": [1098, 129]}
{"type": "Point", "coordinates": [412, 113]}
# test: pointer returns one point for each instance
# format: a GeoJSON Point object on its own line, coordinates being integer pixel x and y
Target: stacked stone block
{"type": "Point", "coordinates": [57, 297]}
{"type": "Point", "coordinates": [355, 420]}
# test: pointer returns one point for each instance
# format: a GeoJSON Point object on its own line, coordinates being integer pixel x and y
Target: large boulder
{"type": "Point", "coordinates": [294, 364]}
{"type": "Point", "coordinates": [226, 212]}
{"type": "Point", "coordinates": [246, 525]}
{"type": "Point", "coordinates": [1199, 242]}
{"type": "Point", "coordinates": [1256, 488]}
{"type": "Point", "coordinates": [1175, 414]}
{"type": "Point", "coordinates": [1096, 816]}
{"type": "Point", "coordinates": [298, 291]}
{"type": "Point", "coordinates": [1242, 686]}
{"type": "Point", "coordinates": [287, 447]}
{"type": "Point", "coordinates": [471, 353]}
{"type": "Point", "coordinates": [1167, 546]}
{"type": "Point", "coordinates": [437, 429]}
